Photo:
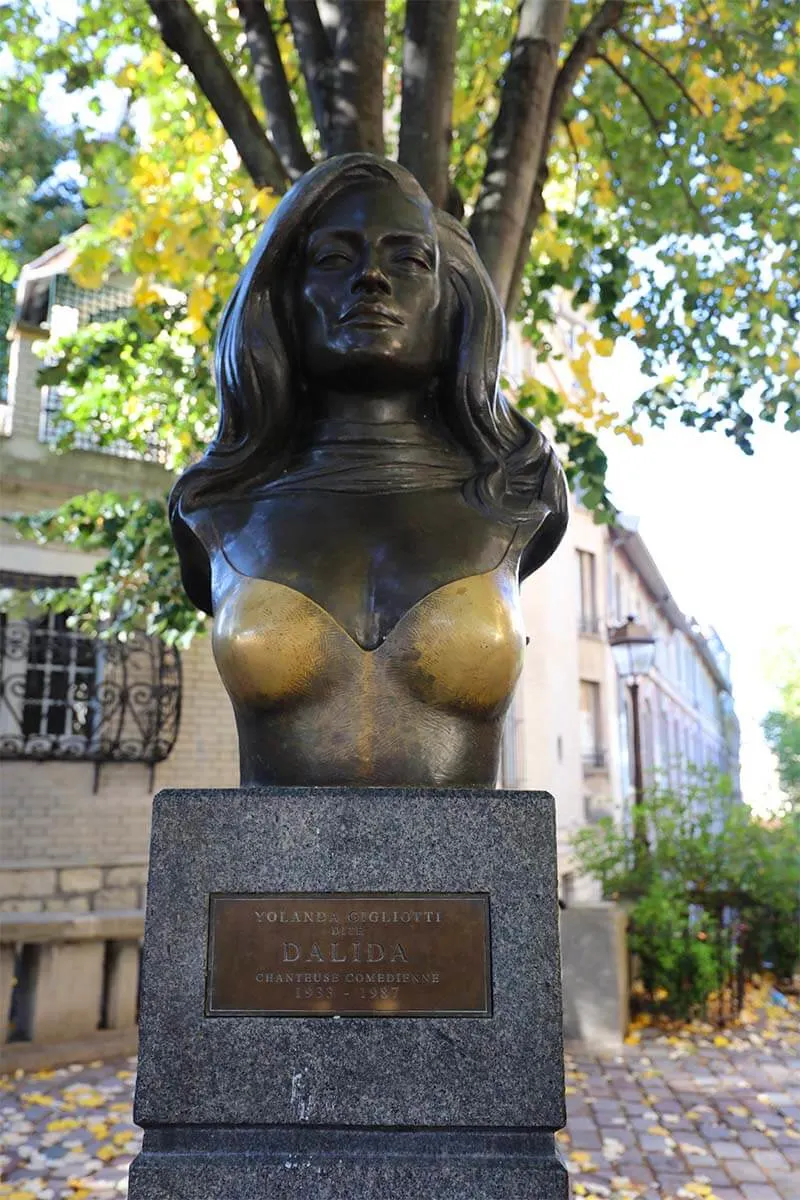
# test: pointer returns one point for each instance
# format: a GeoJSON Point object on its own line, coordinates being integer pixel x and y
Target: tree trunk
{"type": "Point", "coordinates": [315, 51]}
{"type": "Point", "coordinates": [517, 139]}
{"type": "Point", "coordinates": [429, 58]}
{"type": "Point", "coordinates": [271, 79]}
{"type": "Point", "coordinates": [357, 122]}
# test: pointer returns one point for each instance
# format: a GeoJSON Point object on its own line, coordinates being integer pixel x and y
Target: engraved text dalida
{"type": "Point", "coordinates": [348, 955]}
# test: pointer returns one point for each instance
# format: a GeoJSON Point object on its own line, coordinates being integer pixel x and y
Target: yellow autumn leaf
{"type": "Point", "coordinates": [695, 1188]}
{"type": "Point", "coordinates": [633, 320]}
{"type": "Point", "coordinates": [658, 1130]}
{"type": "Point", "coordinates": [153, 62]}
{"type": "Point", "coordinates": [39, 1098]}
{"type": "Point", "coordinates": [604, 347]}
{"type": "Point", "coordinates": [265, 202]}
{"type": "Point", "coordinates": [122, 226]}
{"type": "Point", "coordinates": [580, 134]}
{"type": "Point", "coordinates": [63, 1125]}
{"type": "Point", "coordinates": [199, 302]}
{"type": "Point", "coordinates": [721, 1040]}
{"type": "Point", "coordinates": [144, 293]}
{"type": "Point", "coordinates": [580, 1157]}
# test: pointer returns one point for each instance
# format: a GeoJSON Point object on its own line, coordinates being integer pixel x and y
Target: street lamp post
{"type": "Point", "coordinates": [634, 649]}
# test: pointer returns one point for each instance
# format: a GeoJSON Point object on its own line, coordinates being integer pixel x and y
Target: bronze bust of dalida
{"type": "Point", "coordinates": [361, 522]}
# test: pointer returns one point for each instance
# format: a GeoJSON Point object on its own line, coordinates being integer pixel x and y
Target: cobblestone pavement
{"type": "Point", "coordinates": [700, 1116]}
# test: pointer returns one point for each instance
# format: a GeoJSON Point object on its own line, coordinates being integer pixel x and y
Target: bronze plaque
{"type": "Point", "coordinates": [348, 954]}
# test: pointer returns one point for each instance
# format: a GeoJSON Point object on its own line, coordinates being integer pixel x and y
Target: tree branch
{"type": "Point", "coordinates": [584, 47]}
{"type": "Point", "coordinates": [274, 87]}
{"type": "Point", "coordinates": [429, 59]}
{"type": "Point", "coordinates": [357, 118]}
{"type": "Point", "coordinates": [656, 121]}
{"type": "Point", "coordinates": [315, 51]}
{"type": "Point", "coordinates": [657, 127]}
{"type": "Point", "coordinates": [517, 138]}
{"type": "Point", "coordinates": [186, 37]}
{"type": "Point", "coordinates": [629, 41]}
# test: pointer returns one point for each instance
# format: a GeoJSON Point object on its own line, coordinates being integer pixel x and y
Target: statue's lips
{"type": "Point", "coordinates": [370, 316]}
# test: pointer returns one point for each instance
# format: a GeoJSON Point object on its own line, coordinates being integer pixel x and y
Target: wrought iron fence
{"type": "Point", "coordinates": [733, 934]}
{"type": "Point", "coordinates": [87, 306]}
{"type": "Point", "coordinates": [64, 695]}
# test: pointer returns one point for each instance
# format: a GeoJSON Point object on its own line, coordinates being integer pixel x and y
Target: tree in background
{"type": "Point", "coordinates": [717, 893]}
{"type": "Point", "coordinates": [782, 725]}
{"type": "Point", "coordinates": [633, 161]}
{"type": "Point", "coordinates": [38, 206]}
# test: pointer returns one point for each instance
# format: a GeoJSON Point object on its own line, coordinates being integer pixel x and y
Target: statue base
{"type": "Point", "coordinates": [351, 990]}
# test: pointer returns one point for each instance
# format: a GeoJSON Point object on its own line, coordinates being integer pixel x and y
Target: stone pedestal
{"type": "Point", "coordinates": [461, 1107]}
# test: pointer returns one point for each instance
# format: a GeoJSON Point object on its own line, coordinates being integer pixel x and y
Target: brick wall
{"type": "Point", "coordinates": [65, 846]}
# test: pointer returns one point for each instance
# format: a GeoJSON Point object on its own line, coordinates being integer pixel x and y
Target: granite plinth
{"type": "Point", "coordinates": [294, 1106]}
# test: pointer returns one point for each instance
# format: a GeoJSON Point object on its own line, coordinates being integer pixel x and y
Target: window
{"type": "Point", "coordinates": [587, 593]}
{"type": "Point", "coordinates": [69, 695]}
{"type": "Point", "coordinates": [591, 740]}
{"type": "Point", "coordinates": [60, 681]}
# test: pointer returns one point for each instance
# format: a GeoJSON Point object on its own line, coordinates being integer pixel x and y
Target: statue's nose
{"type": "Point", "coordinates": [371, 279]}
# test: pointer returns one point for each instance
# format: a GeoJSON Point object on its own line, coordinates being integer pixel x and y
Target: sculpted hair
{"type": "Point", "coordinates": [262, 413]}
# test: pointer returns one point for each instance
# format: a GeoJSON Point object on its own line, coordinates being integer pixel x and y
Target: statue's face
{"type": "Point", "coordinates": [370, 293]}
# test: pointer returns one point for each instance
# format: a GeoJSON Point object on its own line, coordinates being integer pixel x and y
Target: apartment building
{"type": "Point", "coordinates": [570, 729]}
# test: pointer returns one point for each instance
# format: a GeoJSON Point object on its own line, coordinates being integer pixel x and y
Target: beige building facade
{"type": "Point", "coordinates": [86, 739]}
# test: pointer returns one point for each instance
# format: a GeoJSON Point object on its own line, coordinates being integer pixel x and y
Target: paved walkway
{"type": "Point", "coordinates": [695, 1117]}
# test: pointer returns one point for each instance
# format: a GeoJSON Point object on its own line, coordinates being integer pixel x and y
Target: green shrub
{"type": "Point", "coordinates": [709, 888]}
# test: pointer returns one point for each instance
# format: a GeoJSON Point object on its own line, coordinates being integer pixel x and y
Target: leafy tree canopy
{"type": "Point", "coordinates": [37, 206]}
{"type": "Point", "coordinates": [635, 159]}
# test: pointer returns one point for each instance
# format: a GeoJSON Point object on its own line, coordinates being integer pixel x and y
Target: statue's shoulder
{"type": "Point", "coordinates": [214, 524]}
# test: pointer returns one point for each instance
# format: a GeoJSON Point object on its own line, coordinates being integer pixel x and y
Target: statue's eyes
{"type": "Point", "coordinates": [411, 259]}
{"type": "Point", "coordinates": [332, 259]}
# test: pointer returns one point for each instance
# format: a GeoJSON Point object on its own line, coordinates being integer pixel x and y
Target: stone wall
{"type": "Point", "coordinates": [39, 886]}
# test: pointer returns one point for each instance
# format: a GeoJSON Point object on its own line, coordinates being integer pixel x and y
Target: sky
{"type": "Point", "coordinates": [722, 527]}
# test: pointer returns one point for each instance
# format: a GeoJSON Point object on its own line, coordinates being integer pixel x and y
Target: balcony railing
{"type": "Point", "coordinates": [64, 695]}
{"type": "Point", "coordinates": [53, 426]}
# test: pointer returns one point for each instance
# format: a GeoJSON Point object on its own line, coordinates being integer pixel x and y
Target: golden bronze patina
{"type": "Point", "coordinates": [348, 954]}
{"type": "Point", "coordinates": [361, 522]}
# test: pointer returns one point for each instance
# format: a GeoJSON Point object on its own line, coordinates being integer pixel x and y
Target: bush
{"type": "Point", "coordinates": [710, 890]}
